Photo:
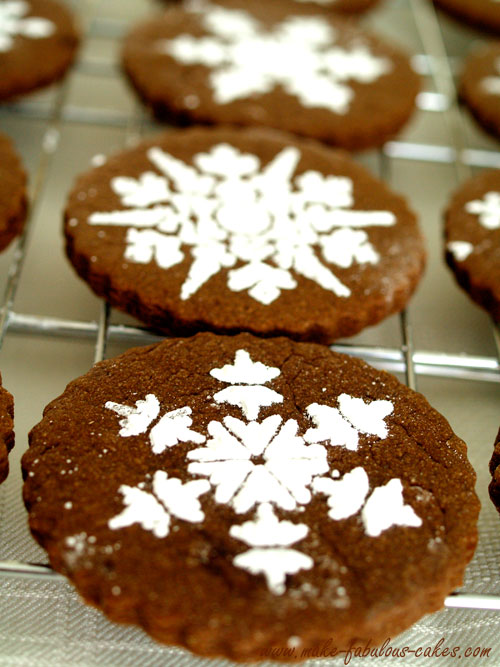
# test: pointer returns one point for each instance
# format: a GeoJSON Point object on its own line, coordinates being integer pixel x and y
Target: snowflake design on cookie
{"type": "Point", "coordinates": [299, 55]}
{"type": "Point", "coordinates": [172, 428]}
{"type": "Point", "coordinates": [289, 461]}
{"type": "Point", "coordinates": [261, 223]}
{"type": "Point", "coordinates": [261, 465]}
{"type": "Point", "coordinates": [460, 249]}
{"type": "Point", "coordinates": [271, 554]}
{"type": "Point", "coordinates": [487, 211]}
{"type": "Point", "coordinates": [230, 457]}
{"type": "Point", "coordinates": [153, 510]}
{"type": "Point", "coordinates": [13, 21]}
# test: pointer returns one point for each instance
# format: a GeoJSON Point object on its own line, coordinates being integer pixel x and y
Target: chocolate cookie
{"type": "Point", "coordinates": [237, 495]}
{"type": "Point", "coordinates": [480, 86]}
{"type": "Point", "coordinates": [12, 193]}
{"type": "Point", "coordinates": [494, 487]}
{"type": "Point", "coordinates": [345, 7]}
{"type": "Point", "coordinates": [312, 75]}
{"type": "Point", "coordinates": [6, 430]}
{"type": "Point", "coordinates": [38, 41]}
{"type": "Point", "coordinates": [230, 230]}
{"type": "Point", "coordinates": [472, 232]}
{"type": "Point", "coordinates": [480, 13]}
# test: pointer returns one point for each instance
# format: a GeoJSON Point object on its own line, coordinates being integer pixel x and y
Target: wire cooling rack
{"type": "Point", "coordinates": [94, 104]}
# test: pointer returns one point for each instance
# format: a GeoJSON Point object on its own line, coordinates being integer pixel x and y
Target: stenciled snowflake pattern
{"type": "Point", "coordinates": [13, 21]}
{"type": "Point", "coordinates": [229, 211]}
{"type": "Point", "coordinates": [487, 211]}
{"type": "Point", "coordinates": [270, 554]}
{"type": "Point", "coordinates": [299, 55]}
{"type": "Point", "coordinates": [254, 465]}
{"type": "Point", "coordinates": [460, 249]}
{"type": "Point", "coordinates": [153, 510]}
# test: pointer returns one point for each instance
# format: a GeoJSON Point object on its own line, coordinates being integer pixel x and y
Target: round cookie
{"type": "Point", "coordinates": [494, 487]}
{"type": "Point", "coordinates": [6, 430]}
{"type": "Point", "coordinates": [480, 86]}
{"type": "Point", "coordinates": [309, 74]}
{"type": "Point", "coordinates": [236, 495]}
{"type": "Point", "coordinates": [472, 234]}
{"type": "Point", "coordinates": [233, 229]}
{"type": "Point", "coordinates": [38, 41]}
{"type": "Point", "coordinates": [483, 14]}
{"type": "Point", "coordinates": [13, 201]}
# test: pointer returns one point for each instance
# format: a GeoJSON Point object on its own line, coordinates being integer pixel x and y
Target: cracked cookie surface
{"type": "Point", "coordinates": [233, 495]}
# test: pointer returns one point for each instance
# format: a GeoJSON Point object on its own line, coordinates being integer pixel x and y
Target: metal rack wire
{"type": "Point", "coordinates": [404, 358]}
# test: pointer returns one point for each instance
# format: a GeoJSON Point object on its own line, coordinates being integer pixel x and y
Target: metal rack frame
{"type": "Point", "coordinates": [405, 358]}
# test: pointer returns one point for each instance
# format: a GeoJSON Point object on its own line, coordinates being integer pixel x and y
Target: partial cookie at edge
{"type": "Point", "coordinates": [494, 467]}
{"type": "Point", "coordinates": [472, 239]}
{"type": "Point", "coordinates": [6, 430]}
{"type": "Point", "coordinates": [479, 86]}
{"type": "Point", "coordinates": [483, 14]}
{"type": "Point", "coordinates": [13, 198]}
{"type": "Point", "coordinates": [40, 51]}
{"type": "Point", "coordinates": [167, 61]}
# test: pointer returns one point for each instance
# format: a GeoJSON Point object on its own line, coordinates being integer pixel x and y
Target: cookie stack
{"type": "Point", "coordinates": [283, 495]}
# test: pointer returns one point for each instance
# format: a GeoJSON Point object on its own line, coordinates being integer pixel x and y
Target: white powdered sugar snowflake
{"type": "Point", "coordinates": [487, 210]}
{"type": "Point", "coordinates": [13, 22]}
{"type": "Point", "coordinates": [460, 249]}
{"type": "Point", "coordinates": [230, 211]}
{"type": "Point", "coordinates": [231, 457]}
{"type": "Point", "coordinates": [299, 55]}
{"type": "Point", "coordinates": [172, 428]}
{"type": "Point", "coordinates": [491, 84]}
{"type": "Point", "coordinates": [270, 554]}
{"type": "Point", "coordinates": [259, 465]}
{"type": "Point", "coordinates": [169, 497]}
{"type": "Point", "coordinates": [286, 461]}
{"type": "Point", "coordinates": [384, 508]}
